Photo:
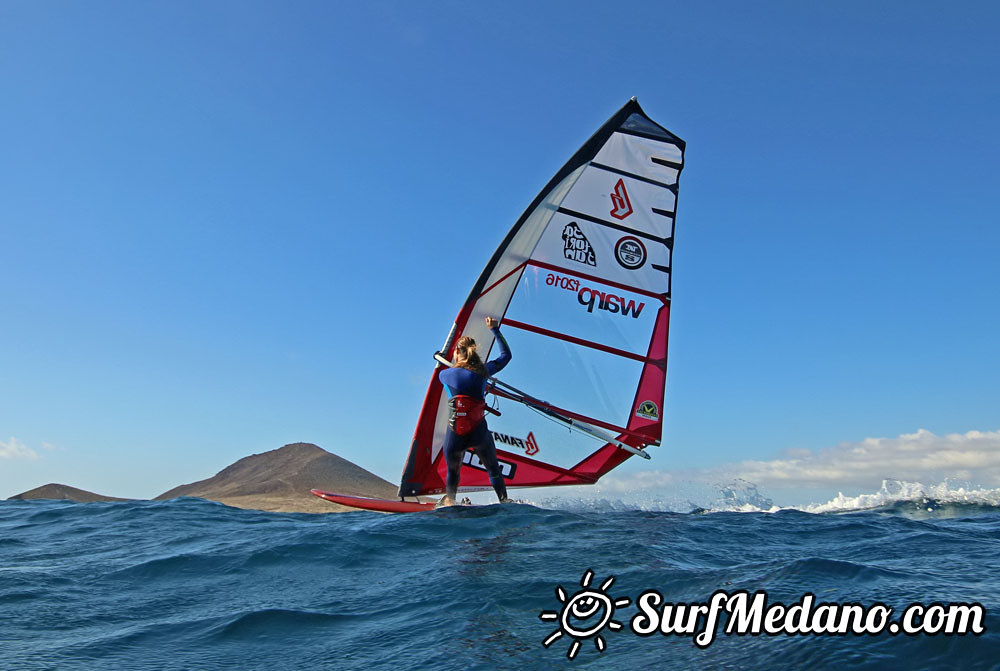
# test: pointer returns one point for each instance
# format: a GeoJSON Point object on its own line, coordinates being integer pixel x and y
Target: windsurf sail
{"type": "Point", "coordinates": [581, 284]}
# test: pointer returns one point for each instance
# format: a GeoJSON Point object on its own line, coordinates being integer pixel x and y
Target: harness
{"type": "Point", "coordinates": [465, 413]}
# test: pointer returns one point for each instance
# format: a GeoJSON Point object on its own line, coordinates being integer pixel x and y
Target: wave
{"type": "Point", "coordinates": [191, 584]}
{"type": "Point", "coordinates": [900, 497]}
{"type": "Point", "coordinates": [740, 496]}
{"type": "Point", "coordinates": [914, 497]}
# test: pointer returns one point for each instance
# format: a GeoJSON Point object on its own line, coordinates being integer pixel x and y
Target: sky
{"type": "Point", "coordinates": [229, 226]}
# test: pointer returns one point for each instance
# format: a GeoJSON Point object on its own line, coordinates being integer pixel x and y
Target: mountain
{"type": "Point", "coordinates": [65, 492]}
{"type": "Point", "coordinates": [280, 480]}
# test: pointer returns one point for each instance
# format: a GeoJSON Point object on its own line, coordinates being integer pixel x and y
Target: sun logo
{"type": "Point", "coordinates": [584, 615]}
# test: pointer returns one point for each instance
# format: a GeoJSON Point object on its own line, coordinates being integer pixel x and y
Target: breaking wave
{"type": "Point", "coordinates": [914, 497]}
{"type": "Point", "coordinates": [894, 496]}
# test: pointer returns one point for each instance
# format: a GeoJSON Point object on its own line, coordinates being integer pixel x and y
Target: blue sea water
{"type": "Point", "coordinates": [190, 584]}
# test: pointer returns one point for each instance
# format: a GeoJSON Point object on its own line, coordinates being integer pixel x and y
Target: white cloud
{"type": "Point", "coordinates": [921, 456]}
{"type": "Point", "coordinates": [15, 449]}
{"type": "Point", "coordinates": [915, 457]}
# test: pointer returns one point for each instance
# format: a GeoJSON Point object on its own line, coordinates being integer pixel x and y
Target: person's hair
{"type": "Point", "coordinates": [467, 357]}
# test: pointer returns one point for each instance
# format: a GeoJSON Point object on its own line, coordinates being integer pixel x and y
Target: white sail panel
{"type": "Point", "coordinates": [619, 200]}
{"type": "Point", "coordinates": [591, 383]}
{"type": "Point", "coordinates": [583, 309]}
{"type": "Point", "coordinates": [652, 159]}
{"type": "Point", "coordinates": [581, 246]}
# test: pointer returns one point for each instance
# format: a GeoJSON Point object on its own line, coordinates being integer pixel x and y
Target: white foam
{"type": "Point", "coordinates": [743, 496]}
{"type": "Point", "coordinates": [895, 491]}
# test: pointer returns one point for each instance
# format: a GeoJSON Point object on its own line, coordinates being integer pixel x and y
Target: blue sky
{"type": "Point", "coordinates": [229, 226]}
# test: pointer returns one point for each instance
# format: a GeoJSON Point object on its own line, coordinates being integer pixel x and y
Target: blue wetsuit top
{"type": "Point", "coordinates": [464, 382]}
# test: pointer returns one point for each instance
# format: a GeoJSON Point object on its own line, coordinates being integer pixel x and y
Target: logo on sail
{"type": "Point", "coordinates": [529, 444]}
{"type": "Point", "coordinates": [609, 302]}
{"type": "Point", "coordinates": [619, 197]}
{"type": "Point", "coordinates": [532, 447]}
{"type": "Point", "coordinates": [648, 410]}
{"type": "Point", "coordinates": [630, 252]}
{"type": "Point", "coordinates": [576, 247]}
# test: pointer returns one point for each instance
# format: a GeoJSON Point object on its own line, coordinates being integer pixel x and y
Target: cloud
{"type": "Point", "coordinates": [921, 456]}
{"type": "Point", "coordinates": [15, 449]}
{"type": "Point", "coordinates": [915, 457]}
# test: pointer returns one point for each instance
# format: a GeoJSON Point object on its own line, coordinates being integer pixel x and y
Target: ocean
{"type": "Point", "coordinates": [191, 584]}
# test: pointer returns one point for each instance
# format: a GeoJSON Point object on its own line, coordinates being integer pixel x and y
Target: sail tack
{"type": "Point", "coordinates": [582, 285]}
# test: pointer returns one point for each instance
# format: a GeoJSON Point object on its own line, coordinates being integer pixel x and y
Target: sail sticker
{"type": "Point", "coordinates": [630, 252]}
{"type": "Point", "coordinates": [648, 410]}
{"type": "Point", "coordinates": [608, 302]}
{"type": "Point", "coordinates": [594, 298]}
{"type": "Point", "coordinates": [603, 240]}
{"type": "Point", "coordinates": [576, 247]}
{"type": "Point", "coordinates": [595, 197]}
{"type": "Point", "coordinates": [623, 207]}
{"type": "Point", "coordinates": [529, 444]}
{"type": "Point", "coordinates": [532, 447]}
{"type": "Point", "coordinates": [507, 469]}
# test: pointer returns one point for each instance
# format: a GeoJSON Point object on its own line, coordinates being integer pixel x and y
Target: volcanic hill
{"type": "Point", "coordinates": [62, 492]}
{"type": "Point", "coordinates": [280, 480]}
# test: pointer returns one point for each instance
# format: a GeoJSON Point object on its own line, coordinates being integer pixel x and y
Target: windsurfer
{"type": "Point", "coordinates": [466, 385]}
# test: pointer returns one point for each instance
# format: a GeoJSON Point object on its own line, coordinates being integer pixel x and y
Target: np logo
{"type": "Point", "coordinates": [471, 460]}
{"type": "Point", "coordinates": [630, 252]}
{"type": "Point", "coordinates": [576, 247]}
{"type": "Point", "coordinates": [619, 198]}
{"type": "Point", "coordinates": [529, 444]}
{"type": "Point", "coordinates": [648, 410]}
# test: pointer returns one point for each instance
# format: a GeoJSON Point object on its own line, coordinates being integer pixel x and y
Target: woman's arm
{"type": "Point", "coordinates": [497, 364]}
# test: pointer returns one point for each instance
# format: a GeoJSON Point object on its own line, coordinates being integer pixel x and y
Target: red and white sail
{"type": "Point", "coordinates": [581, 284]}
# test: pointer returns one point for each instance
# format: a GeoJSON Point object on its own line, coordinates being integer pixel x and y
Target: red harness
{"type": "Point", "coordinates": [465, 413]}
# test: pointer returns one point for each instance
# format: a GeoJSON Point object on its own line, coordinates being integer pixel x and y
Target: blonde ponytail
{"type": "Point", "coordinates": [467, 357]}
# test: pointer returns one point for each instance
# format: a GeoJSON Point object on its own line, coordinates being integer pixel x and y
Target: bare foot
{"type": "Point", "coordinates": [445, 502]}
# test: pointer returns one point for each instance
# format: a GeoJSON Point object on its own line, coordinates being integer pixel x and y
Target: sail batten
{"type": "Point", "coordinates": [665, 241]}
{"type": "Point", "coordinates": [631, 175]}
{"type": "Point", "coordinates": [585, 343]}
{"type": "Point", "coordinates": [581, 283]}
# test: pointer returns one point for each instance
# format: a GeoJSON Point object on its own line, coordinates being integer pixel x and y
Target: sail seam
{"type": "Point", "coordinates": [602, 280]}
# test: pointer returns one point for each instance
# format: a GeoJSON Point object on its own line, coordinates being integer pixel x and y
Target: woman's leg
{"type": "Point", "coordinates": [454, 446]}
{"type": "Point", "coordinates": [486, 450]}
